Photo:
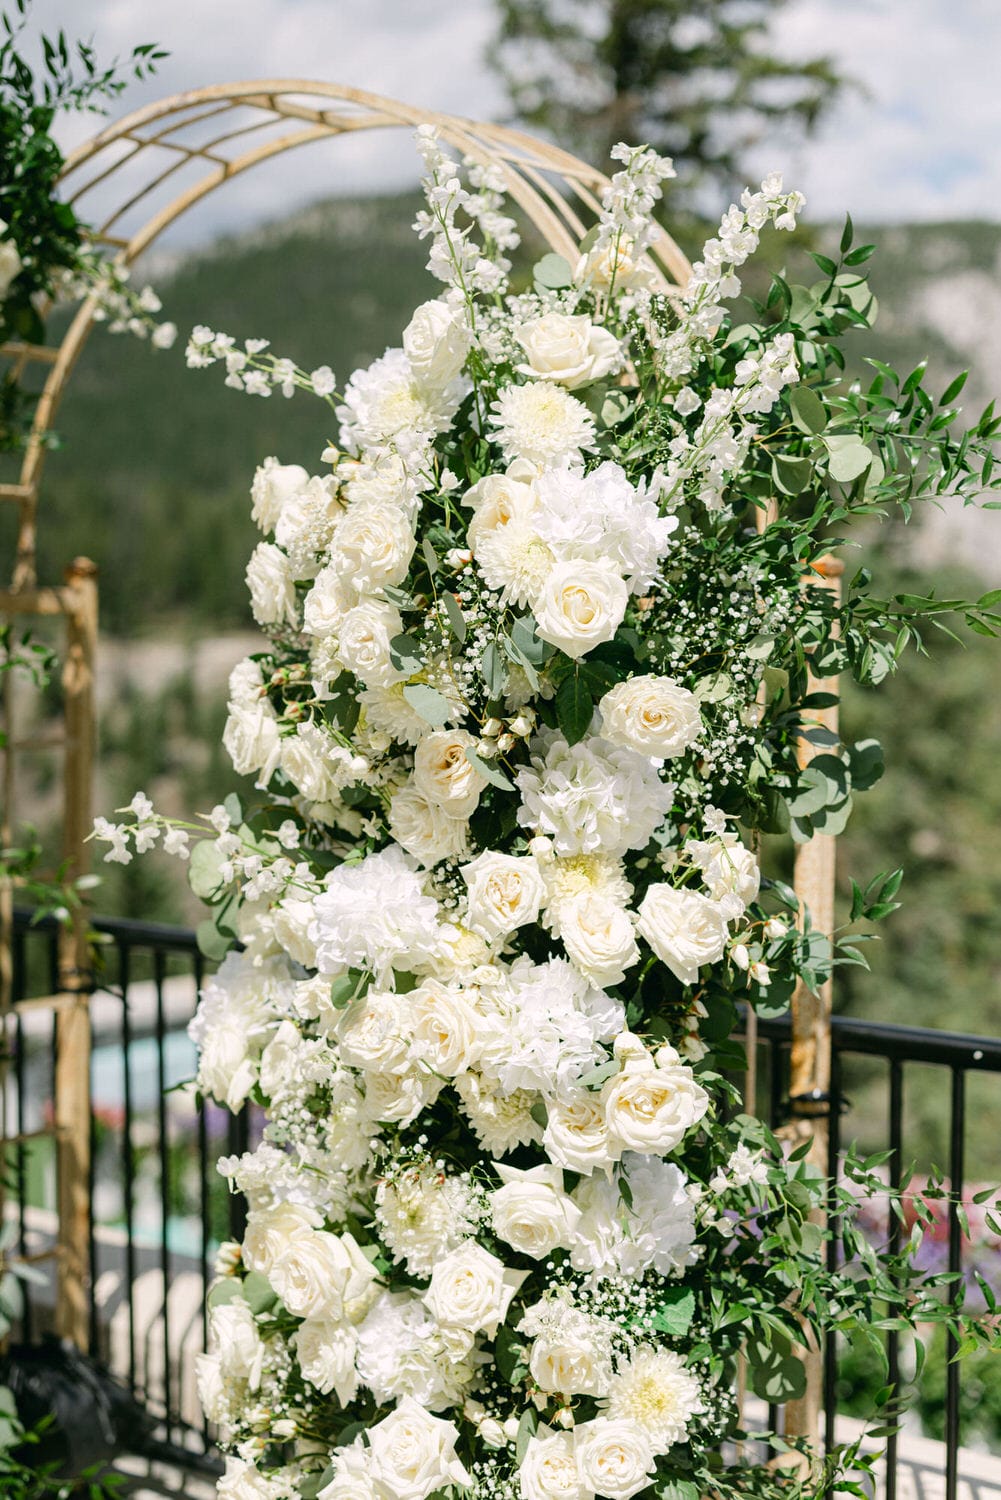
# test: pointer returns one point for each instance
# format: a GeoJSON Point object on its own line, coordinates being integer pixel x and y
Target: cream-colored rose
{"type": "Point", "coordinates": [227, 1070]}
{"type": "Point", "coordinates": [291, 920]}
{"type": "Point", "coordinates": [649, 1108]}
{"type": "Point", "coordinates": [412, 1453]}
{"type": "Point", "coordinates": [271, 1231]}
{"type": "Point", "coordinates": [242, 1481]}
{"type": "Point", "coordinates": [398, 1098]}
{"type": "Point", "coordinates": [352, 1476]}
{"type": "Point", "coordinates": [498, 499]}
{"type": "Point", "coordinates": [327, 602]}
{"type": "Point", "coordinates": [313, 762]}
{"type": "Point", "coordinates": [580, 605]}
{"type": "Point", "coordinates": [549, 1468]}
{"type": "Point", "coordinates": [576, 1136]}
{"type": "Point", "coordinates": [233, 1333]}
{"type": "Point", "coordinates": [271, 585]}
{"type": "Point", "coordinates": [471, 1290]}
{"type": "Point", "coordinates": [373, 546]}
{"type": "Point", "coordinates": [531, 1212]}
{"type": "Point", "coordinates": [445, 775]}
{"type": "Point", "coordinates": [10, 265]}
{"type": "Point", "coordinates": [214, 1390]}
{"type": "Point", "coordinates": [326, 1354]}
{"type": "Point", "coordinates": [684, 929]}
{"type": "Point", "coordinates": [506, 891]}
{"type": "Point", "coordinates": [614, 262]}
{"type": "Point", "coordinates": [363, 638]}
{"type": "Point", "coordinates": [565, 1363]}
{"type": "Point", "coordinates": [614, 1457]}
{"type": "Point", "coordinates": [651, 714]}
{"type": "Point", "coordinates": [444, 1027]}
{"type": "Point", "coordinates": [323, 1275]}
{"type": "Point", "coordinates": [436, 342]}
{"type": "Point", "coordinates": [252, 740]}
{"type": "Point", "coordinates": [274, 485]}
{"type": "Point", "coordinates": [569, 349]}
{"type": "Point", "coordinates": [423, 830]}
{"type": "Point", "coordinates": [728, 867]}
{"type": "Point", "coordinates": [373, 1033]}
{"type": "Point", "coordinates": [598, 937]}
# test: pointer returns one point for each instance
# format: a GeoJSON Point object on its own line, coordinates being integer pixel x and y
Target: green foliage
{"type": "Point", "coordinates": [697, 82]}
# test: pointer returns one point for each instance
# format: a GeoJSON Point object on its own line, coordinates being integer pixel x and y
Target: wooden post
{"type": "Point", "coordinates": [810, 1062]}
{"type": "Point", "coordinates": [73, 1039]}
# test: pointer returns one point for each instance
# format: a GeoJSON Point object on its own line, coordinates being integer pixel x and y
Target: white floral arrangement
{"type": "Point", "coordinates": [534, 687]}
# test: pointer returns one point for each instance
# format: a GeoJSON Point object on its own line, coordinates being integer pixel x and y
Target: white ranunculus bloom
{"type": "Point", "coordinates": [530, 1210]}
{"type": "Point", "coordinates": [372, 546]}
{"type": "Point", "coordinates": [568, 349]}
{"type": "Point", "coordinates": [471, 1290]}
{"type": "Point", "coordinates": [326, 1354]}
{"type": "Point", "coordinates": [615, 1458]}
{"type": "Point", "coordinates": [10, 265]}
{"type": "Point", "coordinates": [423, 830]}
{"type": "Point", "coordinates": [599, 937]}
{"type": "Point", "coordinates": [274, 485]}
{"type": "Point", "coordinates": [581, 605]}
{"type": "Point", "coordinates": [684, 929]}
{"type": "Point", "coordinates": [444, 774]}
{"type": "Point", "coordinates": [549, 1469]}
{"type": "Point", "coordinates": [271, 585]}
{"type": "Point", "coordinates": [436, 342]}
{"type": "Point", "coordinates": [506, 891]}
{"type": "Point", "coordinates": [443, 1026]}
{"type": "Point", "coordinates": [363, 637]}
{"type": "Point", "coordinates": [652, 715]}
{"type": "Point", "coordinates": [413, 1454]}
{"type": "Point", "coordinates": [650, 1106]}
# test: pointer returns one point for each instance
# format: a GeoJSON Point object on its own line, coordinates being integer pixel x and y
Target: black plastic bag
{"type": "Point", "coordinates": [92, 1418]}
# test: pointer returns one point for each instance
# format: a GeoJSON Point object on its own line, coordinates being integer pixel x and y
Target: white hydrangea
{"type": "Point", "coordinates": [655, 1229]}
{"type": "Point", "coordinates": [591, 797]}
{"type": "Point", "coordinates": [374, 915]}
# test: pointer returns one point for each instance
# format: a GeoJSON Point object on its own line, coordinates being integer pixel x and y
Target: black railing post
{"type": "Point", "coordinates": [957, 1142]}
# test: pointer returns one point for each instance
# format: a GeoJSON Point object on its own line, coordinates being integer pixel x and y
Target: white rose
{"type": "Point", "coordinates": [549, 1469]}
{"type": "Point", "coordinates": [271, 585]}
{"type": "Point", "coordinates": [271, 1231]}
{"type": "Point", "coordinates": [436, 343]}
{"type": "Point", "coordinates": [213, 1389]}
{"type": "Point", "coordinates": [398, 1098]}
{"type": "Point", "coordinates": [684, 929]}
{"type": "Point", "coordinates": [598, 936]}
{"type": "Point", "coordinates": [307, 522]}
{"type": "Point", "coordinates": [234, 1334]}
{"type": "Point", "coordinates": [363, 638]}
{"type": "Point", "coordinates": [728, 867]}
{"type": "Point", "coordinates": [10, 265]}
{"type": "Point", "coordinates": [291, 920]}
{"type": "Point", "coordinates": [252, 740]}
{"type": "Point", "coordinates": [372, 1033]}
{"type": "Point", "coordinates": [652, 715]}
{"type": "Point", "coordinates": [323, 1275]}
{"type": "Point", "coordinates": [506, 891]}
{"type": "Point", "coordinates": [327, 602]}
{"type": "Point", "coordinates": [227, 1069]}
{"type": "Point", "coordinates": [273, 485]}
{"type": "Point", "coordinates": [444, 1028]}
{"type": "Point", "coordinates": [649, 1108]}
{"type": "Point", "coordinates": [326, 1355]}
{"type": "Point", "coordinates": [581, 604]}
{"type": "Point", "coordinates": [564, 1361]}
{"type": "Point", "coordinates": [242, 1481]}
{"type": "Point", "coordinates": [569, 349]}
{"type": "Point", "coordinates": [472, 1290]}
{"type": "Point", "coordinates": [423, 830]}
{"type": "Point", "coordinates": [304, 760]}
{"type": "Point", "coordinates": [352, 1476]}
{"type": "Point", "coordinates": [614, 1457]}
{"type": "Point", "coordinates": [614, 262]}
{"type": "Point", "coordinates": [497, 499]}
{"type": "Point", "coordinates": [531, 1212]}
{"type": "Point", "coordinates": [576, 1136]}
{"type": "Point", "coordinates": [412, 1454]}
{"type": "Point", "coordinates": [373, 546]}
{"type": "Point", "coordinates": [445, 775]}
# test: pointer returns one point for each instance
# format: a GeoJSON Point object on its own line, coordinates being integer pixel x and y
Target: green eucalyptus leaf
{"type": "Point", "coordinates": [553, 271]}
{"type": "Point", "coordinates": [455, 619]}
{"type": "Point", "coordinates": [203, 870]}
{"type": "Point", "coordinates": [432, 706]}
{"type": "Point", "coordinates": [848, 457]}
{"type": "Point", "coordinates": [258, 1293]}
{"type": "Point", "coordinates": [489, 771]}
{"type": "Point", "coordinates": [808, 411]}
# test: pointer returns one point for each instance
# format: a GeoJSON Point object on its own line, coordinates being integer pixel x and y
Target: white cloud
{"type": "Point", "coordinates": [919, 142]}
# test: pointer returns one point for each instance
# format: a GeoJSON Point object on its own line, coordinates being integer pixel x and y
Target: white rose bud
{"type": "Point", "coordinates": [444, 773]}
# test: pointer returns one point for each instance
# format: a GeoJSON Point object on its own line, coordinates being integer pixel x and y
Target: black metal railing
{"type": "Point", "coordinates": [160, 1209]}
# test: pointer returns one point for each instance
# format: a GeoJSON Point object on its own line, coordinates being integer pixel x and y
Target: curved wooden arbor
{"type": "Point", "coordinates": [153, 166]}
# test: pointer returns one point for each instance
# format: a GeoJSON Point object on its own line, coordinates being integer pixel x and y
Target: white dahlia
{"type": "Point", "coordinates": [656, 1391]}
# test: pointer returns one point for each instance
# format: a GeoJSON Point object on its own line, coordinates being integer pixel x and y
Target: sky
{"type": "Point", "coordinates": [920, 138]}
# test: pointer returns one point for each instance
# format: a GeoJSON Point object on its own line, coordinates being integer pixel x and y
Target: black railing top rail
{"type": "Point", "coordinates": [137, 934]}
